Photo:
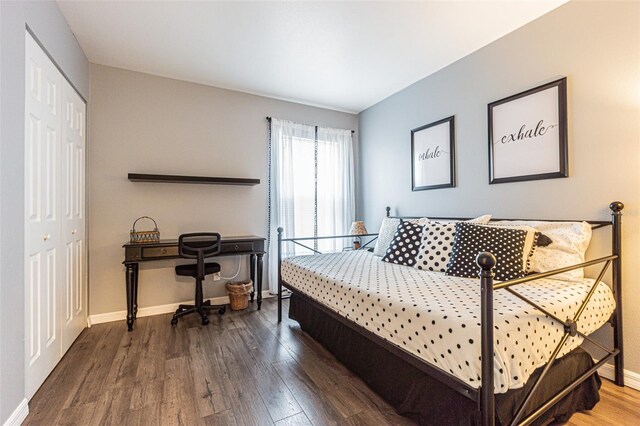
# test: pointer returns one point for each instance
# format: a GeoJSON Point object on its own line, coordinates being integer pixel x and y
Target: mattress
{"type": "Point", "coordinates": [437, 317]}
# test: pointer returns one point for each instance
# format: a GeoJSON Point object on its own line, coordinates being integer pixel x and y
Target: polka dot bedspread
{"type": "Point", "coordinates": [437, 317]}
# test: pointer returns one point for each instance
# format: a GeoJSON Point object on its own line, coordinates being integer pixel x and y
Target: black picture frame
{"type": "Point", "coordinates": [531, 124]}
{"type": "Point", "coordinates": [443, 181]}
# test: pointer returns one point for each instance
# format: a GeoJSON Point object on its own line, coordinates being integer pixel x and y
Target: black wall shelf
{"type": "Point", "coordinates": [142, 177]}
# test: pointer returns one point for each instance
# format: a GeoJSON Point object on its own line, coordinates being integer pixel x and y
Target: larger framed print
{"type": "Point", "coordinates": [528, 135]}
{"type": "Point", "coordinates": [433, 155]}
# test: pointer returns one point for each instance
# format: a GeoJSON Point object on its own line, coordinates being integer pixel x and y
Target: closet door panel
{"type": "Point", "coordinates": [42, 221]}
{"type": "Point", "coordinates": [73, 223]}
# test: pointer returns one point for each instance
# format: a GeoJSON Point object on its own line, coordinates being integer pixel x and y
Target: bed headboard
{"type": "Point", "coordinates": [595, 224]}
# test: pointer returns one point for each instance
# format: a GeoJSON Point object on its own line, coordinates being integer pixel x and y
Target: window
{"type": "Point", "coordinates": [311, 187]}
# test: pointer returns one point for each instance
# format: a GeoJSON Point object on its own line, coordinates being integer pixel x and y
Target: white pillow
{"type": "Point", "coordinates": [385, 235]}
{"type": "Point", "coordinates": [387, 231]}
{"type": "Point", "coordinates": [569, 245]}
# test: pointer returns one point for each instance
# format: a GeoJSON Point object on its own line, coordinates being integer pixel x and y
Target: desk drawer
{"type": "Point", "coordinates": [149, 252]}
{"type": "Point", "coordinates": [172, 251]}
{"type": "Point", "coordinates": [236, 247]}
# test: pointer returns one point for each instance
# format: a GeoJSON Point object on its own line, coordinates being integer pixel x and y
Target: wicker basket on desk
{"type": "Point", "coordinates": [239, 294]}
{"type": "Point", "coordinates": [138, 237]}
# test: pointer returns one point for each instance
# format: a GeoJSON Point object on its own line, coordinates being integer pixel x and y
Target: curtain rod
{"type": "Point", "coordinates": [269, 120]}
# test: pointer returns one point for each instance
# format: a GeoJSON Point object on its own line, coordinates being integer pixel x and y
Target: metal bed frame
{"type": "Point", "coordinates": [484, 396]}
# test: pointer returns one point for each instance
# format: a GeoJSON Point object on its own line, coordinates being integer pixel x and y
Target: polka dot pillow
{"type": "Point", "coordinates": [437, 240]}
{"type": "Point", "coordinates": [388, 231]}
{"type": "Point", "coordinates": [405, 244]}
{"type": "Point", "coordinates": [506, 244]}
{"type": "Point", "coordinates": [533, 240]}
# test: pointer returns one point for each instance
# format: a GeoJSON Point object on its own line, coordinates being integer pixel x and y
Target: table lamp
{"type": "Point", "coordinates": [357, 228]}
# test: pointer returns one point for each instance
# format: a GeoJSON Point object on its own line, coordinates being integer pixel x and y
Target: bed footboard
{"type": "Point", "coordinates": [486, 261]}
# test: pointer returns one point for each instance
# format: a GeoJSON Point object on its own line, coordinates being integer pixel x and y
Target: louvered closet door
{"type": "Point", "coordinates": [42, 210]}
{"type": "Point", "coordinates": [74, 297]}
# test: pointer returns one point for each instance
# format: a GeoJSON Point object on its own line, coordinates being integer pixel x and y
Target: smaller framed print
{"type": "Point", "coordinates": [528, 135]}
{"type": "Point", "coordinates": [433, 155]}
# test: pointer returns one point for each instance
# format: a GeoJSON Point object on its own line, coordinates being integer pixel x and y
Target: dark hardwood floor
{"type": "Point", "coordinates": [241, 369]}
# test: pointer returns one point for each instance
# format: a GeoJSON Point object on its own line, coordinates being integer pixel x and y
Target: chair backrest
{"type": "Point", "coordinates": [199, 245]}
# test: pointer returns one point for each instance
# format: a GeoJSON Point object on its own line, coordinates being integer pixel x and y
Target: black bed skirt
{"type": "Point", "coordinates": [418, 396]}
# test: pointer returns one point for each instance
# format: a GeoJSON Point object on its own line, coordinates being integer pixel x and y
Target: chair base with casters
{"type": "Point", "coordinates": [191, 246]}
{"type": "Point", "coordinates": [205, 307]}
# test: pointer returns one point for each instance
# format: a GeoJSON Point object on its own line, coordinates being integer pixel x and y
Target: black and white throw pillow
{"type": "Point", "coordinates": [405, 244]}
{"type": "Point", "coordinates": [388, 231]}
{"type": "Point", "coordinates": [506, 244]}
{"type": "Point", "coordinates": [437, 240]}
{"type": "Point", "coordinates": [532, 240]}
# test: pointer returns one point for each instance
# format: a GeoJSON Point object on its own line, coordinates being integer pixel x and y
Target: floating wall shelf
{"type": "Point", "coordinates": [142, 177]}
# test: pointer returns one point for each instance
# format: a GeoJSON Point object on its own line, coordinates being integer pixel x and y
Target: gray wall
{"type": "Point", "coordinates": [597, 46]}
{"type": "Point", "coordinates": [147, 124]}
{"type": "Point", "coordinates": [49, 26]}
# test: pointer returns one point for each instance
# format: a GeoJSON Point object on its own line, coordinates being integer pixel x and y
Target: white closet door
{"type": "Point", "coordinates": [42, 221]}
{"type": "Point", "coordinates": [74, 294]}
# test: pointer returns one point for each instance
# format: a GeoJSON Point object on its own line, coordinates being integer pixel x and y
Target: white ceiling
{"type": "Point", "coordinates": [340, 55]}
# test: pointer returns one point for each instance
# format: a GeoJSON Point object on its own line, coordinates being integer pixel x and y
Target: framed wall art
{"type": "Point", "coordinates": [528, 135]}
{"type": "Point", "coordinates": [433, 155]}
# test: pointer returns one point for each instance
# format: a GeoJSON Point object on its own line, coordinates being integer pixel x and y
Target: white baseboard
{"type": "Point", "coordinates": [631, 378]}
{"type": "Point", "coordinates": [156, 310]}
{"type": "Point", "coordinates": [19, 414]}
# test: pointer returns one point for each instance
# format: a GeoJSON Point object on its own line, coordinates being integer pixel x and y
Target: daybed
{"type": "Point", "coordinates": [450, 350]}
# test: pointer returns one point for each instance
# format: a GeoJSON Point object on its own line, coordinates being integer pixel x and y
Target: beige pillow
{"type": "Point", "coordinates": [480, 220]}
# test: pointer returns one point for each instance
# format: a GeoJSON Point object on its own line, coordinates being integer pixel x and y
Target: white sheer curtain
{"type": "Point", "coordinates": [336, 199]}
{"type": "Point", "coordinates": [311, 188]}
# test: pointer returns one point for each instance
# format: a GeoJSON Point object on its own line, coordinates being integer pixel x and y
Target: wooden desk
{"type": "Point", "coordinates": [250, 245]}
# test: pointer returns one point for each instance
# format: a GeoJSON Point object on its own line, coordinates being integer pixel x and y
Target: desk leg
{"type": "Point", "coordinates": [135, 290]}
{"type": "Point", "coordinates": [252, 273]}
{"type": "Point", "coordinates": [130, 284]}
{"type": "Point", "coordinates": [259, 280]}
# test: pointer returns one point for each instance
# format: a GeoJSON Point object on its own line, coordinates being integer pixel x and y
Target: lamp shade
{"type": "Point", "coordinates": [357, 228]}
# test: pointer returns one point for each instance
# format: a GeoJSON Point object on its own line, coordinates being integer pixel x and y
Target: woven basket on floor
{"type": "Point", "coordinates": [239, 294]}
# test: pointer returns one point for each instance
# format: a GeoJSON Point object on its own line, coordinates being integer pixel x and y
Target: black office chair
{"type": "Point", "coordinates": [198, 246]}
